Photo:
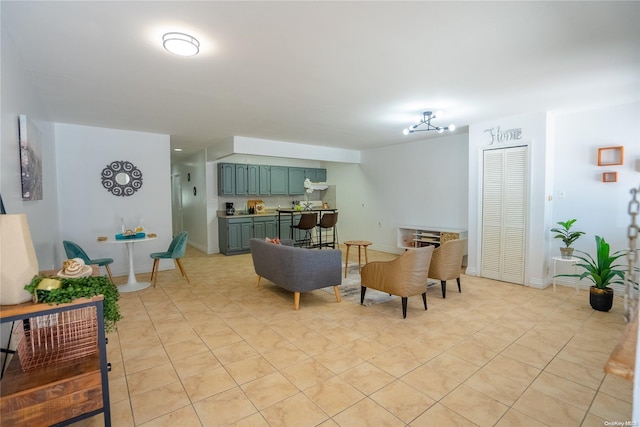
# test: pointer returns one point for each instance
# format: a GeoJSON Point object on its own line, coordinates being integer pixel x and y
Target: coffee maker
{"type": "Point", "coordinates": [230, 209]}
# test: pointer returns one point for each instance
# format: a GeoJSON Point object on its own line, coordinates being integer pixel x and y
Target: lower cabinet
{"type": "Point", "coordinates": [234, 235]}
{"type": "Point", "coordinates": [265, 227]}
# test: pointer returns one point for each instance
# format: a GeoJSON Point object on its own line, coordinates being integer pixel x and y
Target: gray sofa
{"type": "Point", "coordinates": [296, 269]}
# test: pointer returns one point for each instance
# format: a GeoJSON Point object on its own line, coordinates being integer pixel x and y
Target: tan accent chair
{"type": "Point", "coordinates": [446, 263]}
{"type": "Point", "coordinates": [404, 276]}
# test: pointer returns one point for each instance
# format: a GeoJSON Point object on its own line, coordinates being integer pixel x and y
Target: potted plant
{"type": "Point", "coordinates": [567, 236]}
{"type": "Point", "coordinates": [602, 271]}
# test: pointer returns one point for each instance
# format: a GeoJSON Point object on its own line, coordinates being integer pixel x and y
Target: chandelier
{"type": "Point", "coordinates": [424, 124]}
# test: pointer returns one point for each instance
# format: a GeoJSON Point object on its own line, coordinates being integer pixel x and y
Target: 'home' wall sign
{"type": "Point", "coordinates": [498, 135]}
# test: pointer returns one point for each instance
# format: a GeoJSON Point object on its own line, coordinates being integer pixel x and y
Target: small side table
{"type": "Point", "coordinates": [360, 244]}
{"type": "Point", "coordinates": [571, 261]}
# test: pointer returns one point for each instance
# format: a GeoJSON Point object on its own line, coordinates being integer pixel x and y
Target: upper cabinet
{"type": "Point", "coordinates": [237, 179]}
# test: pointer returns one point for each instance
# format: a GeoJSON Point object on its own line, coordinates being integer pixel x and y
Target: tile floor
{"type": "Point", "coordinates": [220, 351]}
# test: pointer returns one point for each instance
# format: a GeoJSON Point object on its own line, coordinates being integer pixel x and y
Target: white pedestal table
{"type": "Point", "coordinates": [132, 284]}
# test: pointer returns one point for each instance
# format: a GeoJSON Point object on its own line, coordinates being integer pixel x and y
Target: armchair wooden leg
{"type": "Point", "coordinates": [182, 270]}
{"type": "Point", "coordinates": [424, 299]}
{"type": "Point", "coordinates": [106, 266]}
{"type": "Point", "coordinates": [363, 290]}
{"type": "Point", "coordinates": [336, 290]}
{"type": "Point", "coordinates": [154, 272]}
{"type": "Point", "coordinates": [258, 281]}
{"type": "Point", "coordinates": [296, 300]}
{"type": "Point", "coordinates": [404, 307]}
{"type": "Point", "coordinates": [443, 283]}
{"type": "Point", "coordinates": [458, 280]}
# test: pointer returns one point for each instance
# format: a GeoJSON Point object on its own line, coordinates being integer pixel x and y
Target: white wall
{"type": "Point", "coordinates": [42, 215]}
{"type": "Point", "coordinates": [422, 182]}
{"type": "Point", "coordinates": [88, 210]}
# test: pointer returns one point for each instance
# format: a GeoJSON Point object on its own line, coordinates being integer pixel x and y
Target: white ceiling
{"type": "Point", "coordinates": [343, 74]}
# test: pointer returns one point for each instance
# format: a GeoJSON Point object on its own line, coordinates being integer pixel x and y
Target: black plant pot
{"type": "Point", "coordinates": [601, 299]}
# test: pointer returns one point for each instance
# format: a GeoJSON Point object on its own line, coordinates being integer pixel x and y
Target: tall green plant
{"type": "Point", "coordinates": [602, 271]}
{"type": "Point", "coordinates": [565, 233]}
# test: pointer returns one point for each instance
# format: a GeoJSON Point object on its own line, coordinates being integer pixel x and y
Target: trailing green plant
{"type": "Point", "coordinates": [82, 287]}
{"type": "Point", "coordinates": [564, 232]}
{"type": "Point", "coordinates": [602, 271]}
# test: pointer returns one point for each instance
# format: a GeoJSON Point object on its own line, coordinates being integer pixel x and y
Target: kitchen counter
{"type": "Point", "coordinates": [223, 214]}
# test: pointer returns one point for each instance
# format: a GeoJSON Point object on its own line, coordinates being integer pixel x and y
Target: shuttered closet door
{"type": "Point", "coordinates": [504, 214]}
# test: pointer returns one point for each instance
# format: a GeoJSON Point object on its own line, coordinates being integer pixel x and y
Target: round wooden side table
{"type": "Point", "coordinates": [360, 244]}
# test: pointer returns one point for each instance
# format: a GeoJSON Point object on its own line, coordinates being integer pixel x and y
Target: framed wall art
{"type": "Point", "coordinates": [30, 159]}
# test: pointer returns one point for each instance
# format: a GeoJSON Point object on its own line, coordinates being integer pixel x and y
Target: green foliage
{"type": "Point", "coordinates": [602, 271]}
{"type": "Point", "coordinates": [565, 233]}
{"type": "Point", "coordinates": [82, 287]}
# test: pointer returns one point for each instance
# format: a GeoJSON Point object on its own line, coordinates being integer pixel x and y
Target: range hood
{"type": "Point", "coordinates": [317, 186]}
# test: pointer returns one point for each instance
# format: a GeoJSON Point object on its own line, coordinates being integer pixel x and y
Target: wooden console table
{"type": "Point", "coordinates": [60, 393]}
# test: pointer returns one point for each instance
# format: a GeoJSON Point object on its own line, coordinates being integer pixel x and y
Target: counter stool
{"type": "Point", "coordinates": [360, 244]}
{"type": "Point", "coordinates": [307, 223]}
{"type": "Point", "coordinates": [329, 220]}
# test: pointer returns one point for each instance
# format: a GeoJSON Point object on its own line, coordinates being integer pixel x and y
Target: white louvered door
{"type": "Point", "coordinates": [504, 211]}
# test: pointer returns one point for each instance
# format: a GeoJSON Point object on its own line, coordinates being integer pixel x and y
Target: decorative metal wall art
{"type": "Point", "coordinates": [121, 178]}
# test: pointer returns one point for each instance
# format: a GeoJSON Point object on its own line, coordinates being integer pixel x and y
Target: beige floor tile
{"type": "Point", "coordinates": [548, 410]}
{"type": "Point", "coordinates": [365, 348]}
{"type": "Point", "coordinates": [208, 383]}
{"type": "Point", "coordinates": [338, 360]}
{"type": "Point", "coordinates": [234, 352]}
{"type": "Point", "coordinates": [224, 408]}
{"type": "Point", "coordinates": [397, 361]}
{"type": "Point", "coordinates": [439, 415]}
{"type": "Point", "coordinates": [610, 408]}
{"type": "Point", "coordinates": [270, 389]}
{"type": "Point", "coordinates": [145, 360]}
{"type": "Point", "coordinates": [475, 406]}
{"type": "Point", "coordinates": [118, 390]}
{"type": "Point", "coordinates": [159, 401]}
{"type": "Point", "coordinates": [313, 343]}
{"type": "Point", "coordinates": [185, 417]}
{"type": "Point", "coordinates": [297, 410]}
{"type": "Point", "coordinates": [536, 358]}
{"type": "Point", "coordinates": [513, 418]}
{"type": "Point", "coordinates": [221, 338]}
{"type": "Point", "coordinates": [500, 388]}
{"type": "Point", "coordinates": [249, 369]}
{"type": "Point", "coordinates": [180, 350]}
{"type": "Point", "coordinates": [195, 364]}
{"type": "Point", "coordinates": [367, 378]}
{"type": "Point", "coordinates": [453, 366]}
{"type": "Point", "coordinates": [564, 390]}
{"type": "Point", "coordinates": [307, 373]}
{"type": "Point", "coordinates": [143, 381]}
{"type": "Point", "coordinates": [588, 376]}
{"type": "Point", "coordinates": [402, 400]}
{"type": "Point", "coordinates": [285, 355]}
{"type": "Point", "coordinates": [431, 382]}
{"type": "Point", "coordinates": [367, 413]}
{"type": "Point", "coordinates": [333, 395]}
{"type": "Point", "coordinates": [617, 387]}
{"type": "Point", "coordinates": [472, 350]}
{"type": "Point", "coordinates": [513, 369]}
{"type": "Point", "coordinates": [255, 420]}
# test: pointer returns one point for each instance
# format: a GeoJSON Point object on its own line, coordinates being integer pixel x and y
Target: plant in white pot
{"type": "Point", "coordinates": [567, 236]}
{"type": "Point", "coordinates": [602, 271]}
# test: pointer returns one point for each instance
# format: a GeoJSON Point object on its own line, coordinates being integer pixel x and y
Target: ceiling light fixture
{"type": "Point", "coordinates": [181, 44]}
{"type": "Point", "coordinates": [425, 120]}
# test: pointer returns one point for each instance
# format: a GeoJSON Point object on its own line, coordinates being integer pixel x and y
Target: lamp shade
{"type": "Point", "coordinates": [18, 261]}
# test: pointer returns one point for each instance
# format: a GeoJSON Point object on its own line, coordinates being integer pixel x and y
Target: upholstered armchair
{"type": "Point", "coordinates": [404, 276]}
{"type": "Point", "coordinates": [446, 263]}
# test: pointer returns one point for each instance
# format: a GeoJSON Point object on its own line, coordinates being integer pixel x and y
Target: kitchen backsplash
{"type": "Point", "coordinates": [273, 202]}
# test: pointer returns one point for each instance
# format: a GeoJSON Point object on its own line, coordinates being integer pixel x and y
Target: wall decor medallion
{"type": "Point", "coordinates": [121, 178]}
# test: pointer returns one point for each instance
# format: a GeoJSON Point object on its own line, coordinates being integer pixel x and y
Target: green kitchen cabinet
{"type": "Point", "coordinates": [242, 184]}
{"type": "Point", "coordinates": [226, 179]}
{"type": "Point", "coordinates": [264, 178]}
{"type": "Point", "coordinates": [234, 235]}
{"type": "Point", "coordinates": [265, 226]}
{"type": "Point", "coordinates": [296, 181]}
{"type": "Point", "coordinates": [253, 179]}
{"type": "Point", "coordinates": [321, 175]}
{"type": "Point", "coordinates": [279, 180]}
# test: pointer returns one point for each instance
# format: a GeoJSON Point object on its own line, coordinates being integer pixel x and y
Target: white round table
{"type": "Point", "coordinates": [132, 284]}
{"type": "Point", "coordinates": [572, 261]}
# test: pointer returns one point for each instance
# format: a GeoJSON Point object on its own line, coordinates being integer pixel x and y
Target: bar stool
{"type": "Point", "coordinates": [307, 223]}
{"type": "Point", "coordinates": [329, 220]}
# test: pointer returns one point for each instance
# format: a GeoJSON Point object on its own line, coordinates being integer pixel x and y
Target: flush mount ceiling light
{"type": "Point", "coordinates": [424, 124]}
{"type": "Point", "coordinates": [181, 44]}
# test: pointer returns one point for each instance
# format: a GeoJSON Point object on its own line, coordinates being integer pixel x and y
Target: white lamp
{"type": "Point", "coordinates": [181, 44]}
{"type": "Point", "coordinates": [18, 261]}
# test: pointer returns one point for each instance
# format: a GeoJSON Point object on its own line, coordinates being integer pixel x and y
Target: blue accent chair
{"type": "Point", "coordinates": [176, 250]}
{"type": "Point", "coordinates": [73, 250]}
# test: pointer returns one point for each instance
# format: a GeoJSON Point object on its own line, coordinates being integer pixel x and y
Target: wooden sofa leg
{"type": "Point", "coordinates": [296, 300]}
{"type": "Point", "coordinates": [336, 290]}
{"type": "Point", "coordinates": [258, 281]}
